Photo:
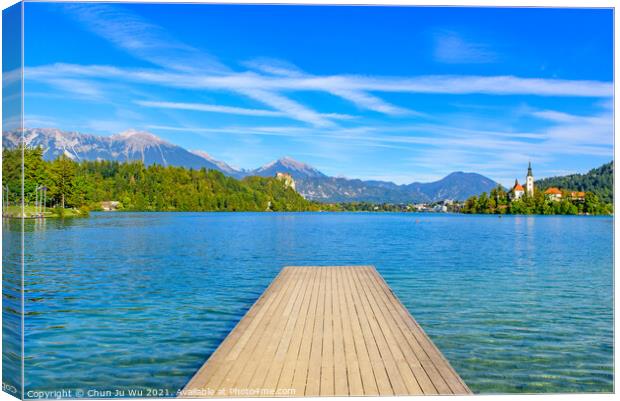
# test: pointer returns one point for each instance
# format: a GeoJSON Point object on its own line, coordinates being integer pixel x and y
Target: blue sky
{"type": "Point", "coordinates": [394, 93]}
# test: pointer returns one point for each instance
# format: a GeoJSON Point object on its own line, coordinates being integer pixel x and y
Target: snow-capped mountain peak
{"type": "Point", "coordinates": [139, 137]}
{"type": "Point", "coordinates": [289, 165]}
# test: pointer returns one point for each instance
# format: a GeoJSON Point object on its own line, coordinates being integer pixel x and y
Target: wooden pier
{"type": "Point", "coordinates": [326, 331]}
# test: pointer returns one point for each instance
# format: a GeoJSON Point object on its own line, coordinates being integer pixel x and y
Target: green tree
{"type": "Point", "coordinates": [12, 173]}
{"type": "Point", "coordinates": [471, 205]}
{"type": "Point", "coordinates": [62, 175]}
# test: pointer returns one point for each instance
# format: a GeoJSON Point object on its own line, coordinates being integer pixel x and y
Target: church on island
{"type": "Point", "coordinates": [518, 191]}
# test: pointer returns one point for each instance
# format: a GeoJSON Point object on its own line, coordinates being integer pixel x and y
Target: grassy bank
{"type": "Point", "coordinates": [30, 211]}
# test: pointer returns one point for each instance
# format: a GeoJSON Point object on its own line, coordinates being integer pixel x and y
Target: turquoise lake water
{"type": "Point", "coordinates": [140, 300]}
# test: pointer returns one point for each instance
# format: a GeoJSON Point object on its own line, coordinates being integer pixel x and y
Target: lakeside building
{"type": "Point", "coordinates": [110, 206]}
{"type": "Point", "coordinates": [578, 196]}
{"type": "Point", "coordinates": [553, 194]}
{"type": "Point", "coordinates": [440, 209]}
{"type": "Point", "coordinates": [518, 191]}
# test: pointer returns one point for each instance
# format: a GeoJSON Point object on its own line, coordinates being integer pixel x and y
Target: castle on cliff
{"type": "Point", "coordinates": [287, 179]}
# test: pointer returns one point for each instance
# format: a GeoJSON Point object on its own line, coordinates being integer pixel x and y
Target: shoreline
{"type": "Point", "coordinates": [72, 214]}
{"type": "Point", "coordinates": [317, 212]}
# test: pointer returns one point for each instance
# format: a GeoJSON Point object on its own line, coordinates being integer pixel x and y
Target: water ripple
{"type": "Point", "coordinates": [140, 300]}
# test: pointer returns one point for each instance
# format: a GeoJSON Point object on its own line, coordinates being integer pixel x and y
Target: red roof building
{"type": "Point", "coordinates": [517, 190]}
{"type": "Point", "coordinates": [553, 194]}
{"type": "Point", "coordinates": [553, 191]}
{"type": "Point", "coordinates": [578, 195]}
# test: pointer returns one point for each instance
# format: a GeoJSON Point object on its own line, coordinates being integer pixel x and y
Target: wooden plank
{"type": "Point", "coordinates": [354, 378]}
{"type": "Point", "coordinates": [327, 354]}
{"type": "Point", "coordinates": [247, 363]}
{"type": "Point", "coordinates": [208, 370]}
{"type": "Point", "coordinates": [400, 368]}
{"type": "Point", "coordinates": [336, 330]}
{"type": "Point", "coordinates": [378, 363]}
{"type": "Point", "coordinates": [313, 381]}
{"type": "Point", "coordinates": [302, 363]}
{"type": "Point", "coordinates": [288, 347]}
{"type": "Point", "coordinates": [429, 367]}
{"type": "Point", "coordinates": [369, 382]}
{"type": "Point", "coordinates": [285, 381]}
{"type": "Point", "coordinates": [341, 386]}
{"type": "Point", "coordinates": [400, 333]}
{"type": "Point", "coordinates": [235, 360]}
{"type": "Point", "coordinates": [441, 364]}
{"type": "Point", "coordinates": [255, 373]}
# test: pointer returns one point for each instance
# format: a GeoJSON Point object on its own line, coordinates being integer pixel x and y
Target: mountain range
{"type": "Point", "coordinates": [310, 182]}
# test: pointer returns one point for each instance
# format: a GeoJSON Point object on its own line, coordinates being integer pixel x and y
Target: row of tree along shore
{"type": "Point", "coordinates": [75, 188]}
{"type": "Point", "coordinates": [85, 185]}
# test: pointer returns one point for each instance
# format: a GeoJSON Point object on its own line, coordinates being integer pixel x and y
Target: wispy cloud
{"type": "Point", "coordinates": [562, 117]}
{"type": "Point", "coordinates": [33, 120]}
{"type": "Point", "coordinates": [214, 108]}
{"type": "Point", "coordinates": [269, 81]}
{"type": "Point", "coordinates": [278, 89]}
{"type": "Point", "coordinates": [141, 38]}
{"type": "Point", "coordinates": [150, 42]}
{"type": "Point", "coordinates": [370, 102]}
{"type": "Point", "coordinates": [80, 87]}
{"type": "Point", "coordinates": [360, 98]}
{"type": "Point", "coordinates": [11, 77]}
{"type": "Point", "coordinates": [294, 109]}
{"type": "Point", "coordinates": [431, 84]}
{"type": "Point", "coordinates": [211, 108]}
{"type": "Point", "coordinates": [453, 48]}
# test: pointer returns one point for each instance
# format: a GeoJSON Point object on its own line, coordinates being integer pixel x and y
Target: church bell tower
{"type": "Point", "coordinates": [529, 181]}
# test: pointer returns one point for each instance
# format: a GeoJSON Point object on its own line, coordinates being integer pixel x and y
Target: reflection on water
{"type": "Point", "coordinates": [11, 305]}
{"type": "Point", "coordinates": [140, 300]}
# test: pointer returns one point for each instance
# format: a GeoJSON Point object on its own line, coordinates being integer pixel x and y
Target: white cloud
{"type": "Point", "coordinates": [82, 88]}
{"type": "Point", "coordinates": [452, 48]}
{"type": "Point", "coordinates": [212, 108]}
{"type": "Point", "coordinates": [294, 109]}
{"type": "Point", "coordinates": [183, 66]}
{"type": "Point", "coordinates": [150, 42]}
{"type": "Point", "coordinates": [561, 117]}
{"type": "Point", "coordinates": [360, 98]}
{"type": "Point", "coordinates": [141, 38]}
{"type": "Point", "coordinates": [433, 84]}
{"type": "Point", "coordinates": [11, 77]}
{"type": "Point", "coordinates": [33, 120]}
{"type": "Point", "coordinates": [273, 83]}
{"type": "Point", "coordinates": [274, 67]}
{"type": "Point", "coordinates": [370, 102]}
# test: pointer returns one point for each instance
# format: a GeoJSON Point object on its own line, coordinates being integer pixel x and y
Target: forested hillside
{"type": "Point", "coordinates": [138, 187]}
{"type": "Point", "coordinates": [599, 181]}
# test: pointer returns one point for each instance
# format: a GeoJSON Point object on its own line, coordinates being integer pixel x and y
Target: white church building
{"type": "Point", "coordinates": [518, 191]}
